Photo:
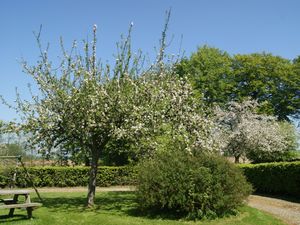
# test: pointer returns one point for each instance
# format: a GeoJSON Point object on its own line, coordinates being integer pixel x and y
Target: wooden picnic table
{"type": "Point", "coordinates": [14, 203]}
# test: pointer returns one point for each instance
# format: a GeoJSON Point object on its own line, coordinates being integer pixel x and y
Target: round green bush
{"type": "Point", "coordinates": [195, 186]}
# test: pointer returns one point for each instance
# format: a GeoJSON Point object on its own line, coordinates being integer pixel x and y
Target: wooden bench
{"type": "Point", "coordinates": [13, 203]}
{"type": "Point", "coordinates": [7, 201]}
{"type": "Point", "coordinates": [28, 206]}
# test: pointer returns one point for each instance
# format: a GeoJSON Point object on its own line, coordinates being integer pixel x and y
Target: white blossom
{"type": "Point", "coordinates": [244, 132]}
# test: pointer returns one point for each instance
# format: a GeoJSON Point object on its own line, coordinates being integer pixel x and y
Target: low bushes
{"type": "Point", "coordinates": [193, 186]}
{"type": "Point", "coordinates": [72, 176]}
{"type": "Point", "coordinates": [274, 178]}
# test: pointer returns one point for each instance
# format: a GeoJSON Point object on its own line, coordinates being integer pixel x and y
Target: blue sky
{"type": "Point", "coordinates": [235, 26]}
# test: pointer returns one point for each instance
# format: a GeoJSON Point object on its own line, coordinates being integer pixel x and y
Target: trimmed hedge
{"type": "Point", "coordinates": [266, 178]}
{"type": "Point", "coordinates": [72, 176]}
{"type": "Point", "coordinates": [274, 178]}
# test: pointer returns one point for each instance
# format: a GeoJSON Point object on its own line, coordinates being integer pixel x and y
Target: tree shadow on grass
{"type": "Point", "coordinates": [113, 203]}
{"type": "Point", "coordinates": [64, 204]}
{"type": "Point", "coordinates": [155, 214]}
{"type": "Point", "coordinates": [127, 203]}
{"type": "Point", "coordinates": [110, 201]}
{"type": "Point", "coordinates": [16, 217]}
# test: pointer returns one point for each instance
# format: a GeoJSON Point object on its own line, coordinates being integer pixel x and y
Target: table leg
{"type": "Point", "coordinates": [29, 212]}
{"type": "Point", "coordinates": [27, 198]}
{"type": "Point", "coordinates": [11, 211]}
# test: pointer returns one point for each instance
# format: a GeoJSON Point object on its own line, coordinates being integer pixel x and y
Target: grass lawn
{"type": "Point", "coordinates": [114, 208]}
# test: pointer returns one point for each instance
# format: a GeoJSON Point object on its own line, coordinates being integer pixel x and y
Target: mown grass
{"type": "Point", "coordinates": [114, 208]}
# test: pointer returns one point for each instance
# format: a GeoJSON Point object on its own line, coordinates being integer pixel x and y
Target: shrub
{"type": "Point", "coordinates": [274, 178]}
{"type": "Point", "coordinates": [71, 176]}
{"type": "Point", "coordinates": [195, 186]}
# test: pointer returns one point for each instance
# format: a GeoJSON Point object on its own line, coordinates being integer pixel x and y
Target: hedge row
{"type": "Point", "coordinates": [267, 178]}
{"type": "Point", "coordinates": [274, 178]}
{"type": "Point", "coordinates": [71, 176]}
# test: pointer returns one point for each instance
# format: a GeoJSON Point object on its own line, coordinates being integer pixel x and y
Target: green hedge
{"type": "Point", "coordinates": [72, 176]}
{"type": "Point", "coordinates": [274, 178]}
{"type": "Point", "coordinates": [267, 178]}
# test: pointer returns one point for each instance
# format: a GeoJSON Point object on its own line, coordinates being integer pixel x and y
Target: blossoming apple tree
{"type": "Point", "coordinates": [244, 133]}
{"type": "Point", "coordinates": [82, 105]}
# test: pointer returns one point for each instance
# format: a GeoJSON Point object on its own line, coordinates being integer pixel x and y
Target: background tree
{"type": "Point", "coordinates": [296, 64]}
{"type": "Point", "coordinates": [12, 149]}
{"type": "Point", "coordinates": [288, 153]}
{"type": "Point", "coordinates": [220, 78]}
{"type": "Point", "coordinates": [10, 144]}
{"type": "Point", "coordinates": [244, 133]}
{"type": "Point", "coordinates": [210, 71]}
{"type": "Point", "coordinates": [271, 80]}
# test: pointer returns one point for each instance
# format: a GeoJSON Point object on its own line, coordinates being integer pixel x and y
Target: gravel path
{"type": "Point", "coordinates": [288, 212]}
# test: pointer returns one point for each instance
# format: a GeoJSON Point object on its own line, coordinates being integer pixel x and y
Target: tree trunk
{"type": "Point", "coordinates": [237, 159]}
{"type": "Point", "coordinates": [92, 179]}
{"type": "Point", "coordinates": [87, 161]}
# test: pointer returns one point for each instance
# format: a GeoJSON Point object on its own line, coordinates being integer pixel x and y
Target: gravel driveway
{"type": "Point", "coordinates": [288, 212]}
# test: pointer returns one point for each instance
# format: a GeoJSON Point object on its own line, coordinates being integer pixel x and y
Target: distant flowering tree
{"type": "Point", "coordinates": [244, 133]}
{"type": "Point", "coordinates": [83, 105]}
{"type": "Point", "coordinates": [286, 134]}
